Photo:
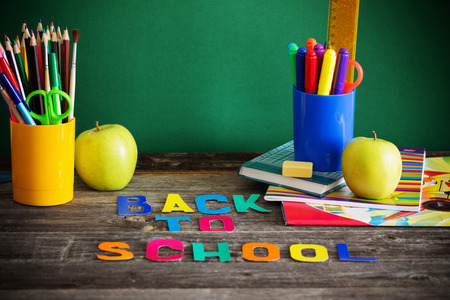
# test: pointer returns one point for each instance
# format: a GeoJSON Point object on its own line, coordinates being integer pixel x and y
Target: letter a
{"type": "Point", "coordinates": [175, 199]}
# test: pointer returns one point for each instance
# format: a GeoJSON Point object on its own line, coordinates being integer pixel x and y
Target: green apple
{"type": "Point", "coordinates": [371, 167]}
{"type": "Point", "coordinates": [105, 157]}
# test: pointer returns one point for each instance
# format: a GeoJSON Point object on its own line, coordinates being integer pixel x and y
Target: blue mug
{"type": "Point", "coordinates": [323, 125]}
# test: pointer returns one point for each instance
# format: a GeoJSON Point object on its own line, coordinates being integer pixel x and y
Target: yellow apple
{"type": "Point", "coordinates": [105, 157]}
{"type": "Point", "coordinates": [371, 167]}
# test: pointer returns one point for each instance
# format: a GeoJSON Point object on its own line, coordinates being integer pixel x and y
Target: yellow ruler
{"type": "Point", "coordinates": [342, 28]}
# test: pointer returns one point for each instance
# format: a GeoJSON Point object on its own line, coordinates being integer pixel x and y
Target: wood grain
{"type": "Point", "coordinates": [50, 252]}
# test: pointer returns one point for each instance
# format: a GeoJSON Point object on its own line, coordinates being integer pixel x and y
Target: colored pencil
{"type": "Point", "coordinates": [65, 61]}
{"type": "Point", "coordinates": [75, 36]}
{"type": "Point", "coordinates": [9, 54]}
{"type": "Point", "coordinates": [23, 52]}
{"type": "Point", "coordinates": [13, 65]}
{"type": "Point", "coordinates": [36, 79]}
{"type": "Point", "coordinates": [8, 71]}
{"type": "Point", "coordinates": [39, 51]}
{"type": "Point", "coordinates": [65, 68]}
{"type": "Point", "coordinates": [54, 47]}
{"type": "Point", "coordinates": [15, 114]}
{"type": "Point", "coordinates": [58, 54]}
{"type": "Point", "coordinates": [39, 30]}
{"type": "Point", "coordinates": [52, 28]}
{"type": "Point", "coordinates": [24, 28]}
{"type": "Point", "coordinates": [2, 50]}
{"type": "Point", "coordinates": [21, 69]}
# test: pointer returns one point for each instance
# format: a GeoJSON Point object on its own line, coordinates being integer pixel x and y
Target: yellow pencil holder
{"type": "Point", "coordinates": [42, 160]}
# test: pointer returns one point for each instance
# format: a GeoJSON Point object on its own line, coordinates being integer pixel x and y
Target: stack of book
{"type": "Point", "coordinates": [421, 198]}
{"type": "Point", "coordinates": [268, 168]}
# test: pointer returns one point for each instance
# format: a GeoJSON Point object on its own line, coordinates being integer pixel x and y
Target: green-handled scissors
{"type": "Point", "coordinates": [52, 114]}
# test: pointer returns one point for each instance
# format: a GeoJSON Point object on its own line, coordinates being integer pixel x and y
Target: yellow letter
{"type": "Point", "coordinates": [296, 252]}
{"type": "Point", "coordinates": [175, 199]}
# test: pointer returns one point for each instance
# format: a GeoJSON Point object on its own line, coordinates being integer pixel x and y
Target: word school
{"type": "Point", "coordinates": [223, 253]}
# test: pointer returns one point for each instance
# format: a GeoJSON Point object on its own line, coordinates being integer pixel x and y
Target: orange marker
{"type": "Point", "coordinates": [310, 43]}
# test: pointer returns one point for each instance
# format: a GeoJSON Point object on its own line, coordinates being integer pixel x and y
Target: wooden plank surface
{"type": "Point", "coordinates": [50, 253]}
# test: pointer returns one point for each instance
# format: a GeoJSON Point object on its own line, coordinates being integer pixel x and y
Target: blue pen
{"type": "Point", "coordinates": [16, 98]}
{"type": "Point", "coordinates": [300, 64]}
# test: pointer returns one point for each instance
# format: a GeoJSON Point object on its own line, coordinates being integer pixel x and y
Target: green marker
{"type": "Point", "coordinates": [54, 82]}
{"type": "Point", "coordinates": [292, 49]}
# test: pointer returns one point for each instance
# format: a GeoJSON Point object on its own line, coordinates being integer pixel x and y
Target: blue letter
{"type": "Point", "coordinates": [123, 204]}
{"type": "Point", "coordinates": [173, 221]}
{"type": "Point", "coordinates": [201, 204]}
{"type": "Point", "coordinates": [344, 255]}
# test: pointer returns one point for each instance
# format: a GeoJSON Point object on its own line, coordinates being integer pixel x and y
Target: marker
{"type": "Point", "coordinates": [7, 70]}
{"type": "Point", "coordinates": [16, 98]}
{"type": "Point", "coordinates": [339, 72]}
{"type": "Point", "coordinates": [310, 43]}
{"type": "Point", "coordinates": [326, 75]}
{"type": "Point", "coordinates": [319, 52]}
{"type": "Point", "coordinates": [292, 50]}
{"type": "Point", "coordinates": [15, 114]}
{"type": "Point", "coordinates": [300, 68]}
{"type": "Point", "coordinates": [54, 81]}
{"type": "Point", "coordinates": [310, 72]}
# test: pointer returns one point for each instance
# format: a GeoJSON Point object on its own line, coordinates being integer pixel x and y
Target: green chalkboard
{"type": "Point", "coordinates": [214, 76]}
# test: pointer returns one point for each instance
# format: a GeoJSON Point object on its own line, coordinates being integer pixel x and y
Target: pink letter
{"type": "Point", "coordinates": [153, 248]}
{"type": "Point", "coordinates": [205, 223]}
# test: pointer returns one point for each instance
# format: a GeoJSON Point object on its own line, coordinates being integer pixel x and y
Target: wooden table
{"type": "Point", "coordinates": [51, 252]}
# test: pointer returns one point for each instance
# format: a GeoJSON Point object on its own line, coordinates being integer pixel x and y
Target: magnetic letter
{"type": "Point", "coordinates": [175, 199]}
{"type": "Point", "coordinates": [153, 248]}
{"type": "Point", "coordinates": [172, 222]}
{"type": "Point", "coordinates": [123, 204]}
{"type": "Point", "coordinates": [243, 206]}
{"type": "Point", "coordinates": [205, 223]}
{"type": "Point", "coordinates": [200, 254]}
{"type": "Point", "coordinates": [108, 246]}
{"type": "Point", "coordinates": [296, 252]}
{"type": "Point", "coordinates": [201, 204]}
{"type": "Point", "coordinates": [345, 255]}
{"type": "Point", "coordinates": [248, 252]}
